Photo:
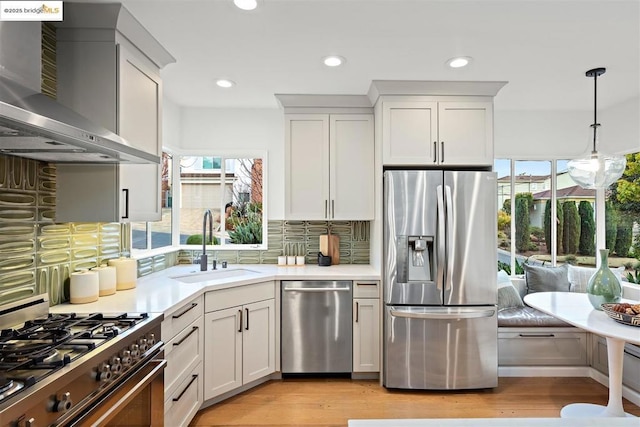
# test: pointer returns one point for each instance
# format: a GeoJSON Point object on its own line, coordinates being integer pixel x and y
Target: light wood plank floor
{"type": "Point", "coordinates": [331, 402]}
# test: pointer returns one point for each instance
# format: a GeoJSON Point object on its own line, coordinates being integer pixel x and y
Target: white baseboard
{"type": "Point", "coordinates": [544, 371]}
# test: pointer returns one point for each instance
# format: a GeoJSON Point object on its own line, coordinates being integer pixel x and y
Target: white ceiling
{"type": "Point", "coordinates": [542, 48]}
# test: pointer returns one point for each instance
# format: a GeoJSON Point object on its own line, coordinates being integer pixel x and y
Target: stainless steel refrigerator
{"type": "Point", "coordinates": [440, 257]}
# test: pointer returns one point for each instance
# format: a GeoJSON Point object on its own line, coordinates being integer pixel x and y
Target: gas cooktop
{"type": "Point", "coordinates": [41, 346]}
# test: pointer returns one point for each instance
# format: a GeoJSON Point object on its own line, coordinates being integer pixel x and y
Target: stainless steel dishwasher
{"type": "Point", "coordinates": [316, 327]}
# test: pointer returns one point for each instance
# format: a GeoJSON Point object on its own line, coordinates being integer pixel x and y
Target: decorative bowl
{"type": "Point", "coordinates": [624, 318]}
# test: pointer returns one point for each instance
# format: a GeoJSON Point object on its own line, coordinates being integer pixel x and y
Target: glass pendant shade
{"type": "Point", "coordinates": [596, 169]}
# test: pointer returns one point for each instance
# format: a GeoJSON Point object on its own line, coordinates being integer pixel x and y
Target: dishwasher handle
{"type": "Point", "coordinates": [317, 289]}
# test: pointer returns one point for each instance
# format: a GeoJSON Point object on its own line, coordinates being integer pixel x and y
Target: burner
{"type": "Point", "coordinates": [52, 321]}
{"type": "Point", "coordinates": [110, 329]}
{"type": "Point", "coordinates": [25, 352]}
{"type": "Point", "coordinates": [8, 387]}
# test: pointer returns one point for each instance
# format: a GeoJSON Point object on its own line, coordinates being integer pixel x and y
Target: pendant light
{"type": "Point", "coordinates": [596, 169]}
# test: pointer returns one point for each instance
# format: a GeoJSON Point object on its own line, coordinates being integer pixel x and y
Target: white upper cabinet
{"type": "Point", "coordinates": [454, 133]}
{"type": "Point", "coordinates": [329, 161]}
{"type": "Point", "coordinates": [116, 84]}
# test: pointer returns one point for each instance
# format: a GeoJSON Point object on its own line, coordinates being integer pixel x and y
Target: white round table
{"type": "Point", "coordinates": [575, 309]}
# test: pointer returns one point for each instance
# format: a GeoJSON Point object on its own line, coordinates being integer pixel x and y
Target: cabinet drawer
{"type": "Point", "coordinates": [542, 348]}
{"type": "Point", "coordinates": [366, 289]}
{"type": "Point", "coordinates": [181, 318]}
{"type": "Point", "coordinates": [231, 297]}
{"type": "Point", "coordinates": [182, 353]}
{"type": "Point", "coordinates": [182, 405]}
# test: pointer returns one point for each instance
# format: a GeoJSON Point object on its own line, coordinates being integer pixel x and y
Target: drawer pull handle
{"type": "Point", "coordinates": [195, 328]}
{"type": "Point", "coordinates": [183, 312]}
{"type": "Point", "coordinates": [193, 378]}
{"type": "Point", "coordinates": [366, 284]}
{"type": "Point", "coordinates": [537, 335]}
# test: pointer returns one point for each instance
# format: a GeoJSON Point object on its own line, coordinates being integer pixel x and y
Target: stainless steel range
{"type": "Point", "coordinates": [79, 369]}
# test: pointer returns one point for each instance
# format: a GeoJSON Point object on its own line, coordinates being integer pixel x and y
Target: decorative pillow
{"type": "Point", "coordinates": [579, 276]}
{"type": "Point", "coordinates": [508, 296]}
{"type": "Point", "coordinates": [546, 279]}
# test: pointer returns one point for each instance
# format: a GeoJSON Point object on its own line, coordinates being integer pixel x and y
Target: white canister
{"type": "Point", "coordinates": [291, 260]}
{"type": "Point", "coordinates": [107, 279]}
{"type": "Point", "coordinates": [300, 260]}
{"type": "Point", "coordinates": [126, 272]}
{"type": "Point", "coordinates": [84, 287]}
{"type": "Point", "coordinates": [282, 260]}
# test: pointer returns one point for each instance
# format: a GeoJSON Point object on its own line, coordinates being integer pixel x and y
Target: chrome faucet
{"type": "Point", "coordinates": [203, 257]}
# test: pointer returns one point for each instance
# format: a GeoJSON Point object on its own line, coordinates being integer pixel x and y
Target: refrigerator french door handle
{"type": "Point", "coordinates": [434, 315]}
{"type": "Point", "coordinates": [440, 237]}
{"type": "Point", "coordinates": [448, 281]}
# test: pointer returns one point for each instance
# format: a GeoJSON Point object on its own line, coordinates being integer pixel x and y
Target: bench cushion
{"type": "Point", "coordinates": [527, 317]}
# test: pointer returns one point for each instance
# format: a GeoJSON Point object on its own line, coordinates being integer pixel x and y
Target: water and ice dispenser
{"type": "Point", "coordinates": [415, 257]}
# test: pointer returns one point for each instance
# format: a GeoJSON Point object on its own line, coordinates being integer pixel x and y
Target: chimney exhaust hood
{"type": "Point", "coordinates": [35, 126]}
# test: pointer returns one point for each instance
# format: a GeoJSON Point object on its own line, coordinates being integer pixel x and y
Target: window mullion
{"type": "Point", "coordinates": [554, 212]}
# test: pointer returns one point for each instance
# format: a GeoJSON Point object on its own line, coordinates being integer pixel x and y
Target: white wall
{"type": "Point", "coordinates": [228, 131]}
{"type": "Point", "coordinates": [621, 127]}
{"type": "Point", "coordinates": [171, 124]}
{"type": "Point", "coordinates": [565, 134]}
{"type": "Point", "coordinates": [540, 134]}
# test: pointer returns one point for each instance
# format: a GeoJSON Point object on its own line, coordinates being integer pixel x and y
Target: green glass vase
{"type": "Point", "coordinates": [604, 286]}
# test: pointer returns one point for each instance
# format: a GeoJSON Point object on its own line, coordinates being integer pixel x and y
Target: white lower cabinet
{"type": "Point", "coordinates": [366, 335]}
{"type": "Point", "coordinates": [366, 326]}
{"type": "Point", "coordinates": [183, 333]}
{"type": "Point", "coordinates": [542, 347]}
{"type": "Point", "coordinates": [239, 340]}
{"type": "Point", "coordinates": [182, 405]}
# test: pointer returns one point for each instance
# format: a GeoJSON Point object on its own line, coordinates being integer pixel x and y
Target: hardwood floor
{"type": "Point", "coordinates": [332, 402]}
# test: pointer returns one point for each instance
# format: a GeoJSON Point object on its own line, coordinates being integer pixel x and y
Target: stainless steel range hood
{"type": "Point", "coordinates": [35, 126]}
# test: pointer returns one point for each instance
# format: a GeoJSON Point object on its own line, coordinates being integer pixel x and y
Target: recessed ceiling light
{"type": "Point", "coordinates": [246, 4]}
{"type": "Point", "coordinates": [333, 61]}
{"type": "Point", "coordinates": [225, 83]}
{"type": "Point", "coordinates": [459, 61]}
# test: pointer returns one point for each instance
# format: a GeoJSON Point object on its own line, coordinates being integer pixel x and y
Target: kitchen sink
{"type": "Point", "coordinates": [204, 276]}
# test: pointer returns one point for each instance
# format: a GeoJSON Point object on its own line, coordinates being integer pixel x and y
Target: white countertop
{"type": "Point", "coordinates": [160, 293]}
{"type": "Point", "coordinates": [496, 422]}
{"type": "Point", "coordinates": [575, 308]}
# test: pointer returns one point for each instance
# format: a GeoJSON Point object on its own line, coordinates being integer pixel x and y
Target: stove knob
{"type": "Point", "coordinates": [63, 404]}
{"type": "Point", "coordinates": [22, 422]}
{"type": "Point", "coordinates": [116, 365]}
{"type": "Point", "coordinates": [104, 373]}
{"type": "Point", "coordinates": [151, 340]}
{"type": "Point", "coordinates": [135, 351]}
{"type": "Point", "coordinates": [142, 342]}
{"type": "Point", "coordinates": [125, 358]}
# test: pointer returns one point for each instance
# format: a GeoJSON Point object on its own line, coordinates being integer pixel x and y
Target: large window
{"type": "Point", "coordinates": [231, 188]}
{"type": "Point", "coordinates": [543, 190]}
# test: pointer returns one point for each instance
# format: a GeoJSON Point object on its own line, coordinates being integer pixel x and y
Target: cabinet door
{"type": "Point", "coordinates": [222, 351]}
{"type": "Point", "coordinates": [366, 335]}
{"type": "Point", "coordinates": [465, 133]}
{"type": "Point", "coordinates": [409, 132]}
{"type": "Point", "coordinates": [139, 113]}
{"type": "Point", "coordinates": [306, 166]}
{"type": "Point", "coordinates": [351, 182]}
{"type": "Point", "coordinates": [258, 340]}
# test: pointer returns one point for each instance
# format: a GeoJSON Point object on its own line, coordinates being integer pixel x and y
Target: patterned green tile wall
{"type": "Point", "coordinates": [301, 237]}
{"type": "Point", "coordinates": [36, 254]}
